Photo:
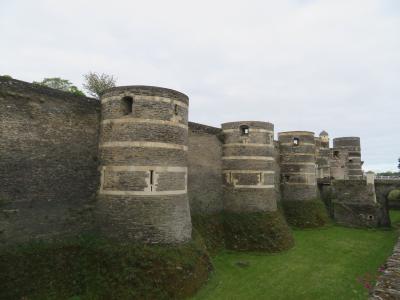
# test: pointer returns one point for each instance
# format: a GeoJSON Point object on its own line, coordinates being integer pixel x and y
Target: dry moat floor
{"type": "Point", "coordinates": [330, 263]}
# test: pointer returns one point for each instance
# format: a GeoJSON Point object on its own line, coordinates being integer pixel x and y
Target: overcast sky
{"type": "Point", "coordinates": [312, 65]}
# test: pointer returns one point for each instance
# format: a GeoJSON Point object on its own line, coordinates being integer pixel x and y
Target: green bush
{"type": "Point", "coordinates": [394, 195]}
{"type": "Point", "coordinates": [258, 231]}
{"type": "Point", "coordinates": [92, 268]}
{"type": "Point", "coordinates": [305, 214]}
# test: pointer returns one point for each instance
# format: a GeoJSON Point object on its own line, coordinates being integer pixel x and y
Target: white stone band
{"type": "Point", "coordinates": [297, 173]}
{"type": "Point", "coordinates": [254, 186]}
{"type": "Point", "coordinates": [248, 158]}
{"type": "Point", "coordinates": [299, 163]}
{"type": "Point", "coordinates": [148, 121]}
{"type": "Point", "coordinates": [143, 193]}
{"type": "Point", "coordinates": [248, 171]}
{"type": "Point", "coordinates": [298, 183]}
{"type": "Point", "coordinates": [299, 145]}
{"type": "Point", "coordinates": [144, 145]}
{"type": "Point", "coordinates": [248, 145]}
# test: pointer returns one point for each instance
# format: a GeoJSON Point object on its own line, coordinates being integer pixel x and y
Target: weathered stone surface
{"type": "Point", "coordinates": [205, 170]}
{"type": "Point", "coordinates": [248, 167]}
{"type": "Point", "coordinates": [249, 200]}
{"type": "Point", "coordinates": [152, 220]}
{"type": "Point", "coordinates": [143, 132]}
{"type": "Point", "coordinates": [298, 165]}
{"type": "Point", "coordinates": [144, 156]}
{"type": "Point", "coordinates": [48, 161]}
{"type": "Point", "coordinates": [298, 192]}
{"type": "Point", "coordinates": [354, 203]}
{"type": "Point", "coordinates": [353, 163]}
{"type": "Point", "coordinates": [387, 286]}
{"type": "Point", "coordinates": [143, 190]}
{"type": "Point", "coordinates": [251, 218]}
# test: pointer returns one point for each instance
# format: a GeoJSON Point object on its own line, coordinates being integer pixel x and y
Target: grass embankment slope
{"type": "Point", "coordinates": [324, 264]}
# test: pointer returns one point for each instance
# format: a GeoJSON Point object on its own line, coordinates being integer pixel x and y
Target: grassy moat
{"type": "Point", "coordinates": [329, 263]}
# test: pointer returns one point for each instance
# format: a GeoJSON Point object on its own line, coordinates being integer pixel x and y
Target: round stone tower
{"type": "Point", "coordinates": [298, 169]}
{"type": "Point", "coordinates": [298, 179]}
{"type": "Point", "coordinates": [247, 163]}
{"type": "Point", "coordinates": [323, 155]}
{"type": "Point", "coordinates": [324, 138]}
{"type": "Point", "coordinates": [143, 158]}
{"type": "Point", "coordinates": [249, 186]}
{"type": "Point", "coordinates": [353, 147]}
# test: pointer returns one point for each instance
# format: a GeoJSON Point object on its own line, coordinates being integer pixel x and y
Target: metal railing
{"type": "Point", "coordinates": [388, 177]}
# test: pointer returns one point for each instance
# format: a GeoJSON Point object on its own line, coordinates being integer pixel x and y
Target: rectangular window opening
{"type": "Point", "coordinates": [151, 179]}
{"type": "Point", "coordinates": [127, 105]}
{"type": "Point", "coordinates": [244, 130]}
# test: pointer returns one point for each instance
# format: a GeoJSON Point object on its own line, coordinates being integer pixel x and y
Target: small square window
{"type": "Point", "coordinates": [244, 130]}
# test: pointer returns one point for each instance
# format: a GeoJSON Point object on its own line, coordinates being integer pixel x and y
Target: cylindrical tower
{"type": "Point", "coordinates": [143, 152]}
{"type": "Point", "coordinates": [298, 179]}
{"type": "Point", "coordinates": [247, 163]}
{"type": "Point", "coordinates": [324, 138]}
{"type": "Point", "coordinates": [252, 221]}
{"type": "Point", "coordinates": [298, 168]}
{"type": "Point", "coordinates": [323, 155]}
{"type": "Point", "coordinates": [353, 147]}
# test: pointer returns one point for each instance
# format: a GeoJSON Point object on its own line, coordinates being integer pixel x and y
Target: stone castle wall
{"type": "Point", "coordinates": [354, 203]}
{"type": "Point", "coordinates": [156, 167]}
{"type": "Point", "coordinates": [48, 161]}
{"type": "Point", "coordinates": [205, 169]}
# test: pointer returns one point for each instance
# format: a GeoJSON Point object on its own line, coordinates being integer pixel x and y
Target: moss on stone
{"type": "Point", "coordinates": [211, 229]}
{"type": "Point", "coordinates": [91, 268]}
{"type": "Point", "coordinates": [305, 214]}
{"type": "Point", "coordinates": [258, 231]}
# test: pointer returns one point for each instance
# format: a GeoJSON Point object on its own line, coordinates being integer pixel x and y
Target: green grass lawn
{"type": "Point", "coordinates": [324, 264]}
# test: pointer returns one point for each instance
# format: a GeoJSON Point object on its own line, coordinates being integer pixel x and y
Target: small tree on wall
{"type": "Point", "coordinates": [95, 84]}
{"type": "Point", "coordinates": [60, 84]}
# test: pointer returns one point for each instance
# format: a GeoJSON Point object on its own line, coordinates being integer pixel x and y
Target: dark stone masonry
{"type": "Point", "coordinates": [48, 162]}
{"type": "Point", "coordinates": [387, 286]}
{"type": "Point", "coordinates": [141, 199]}
{"type": "Point", "coordinates": [251, 217]}
{"type": "Point", "coordinates": [133, 173]}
